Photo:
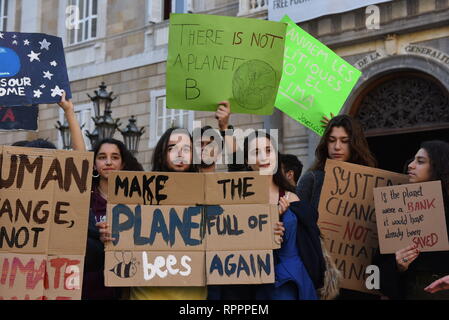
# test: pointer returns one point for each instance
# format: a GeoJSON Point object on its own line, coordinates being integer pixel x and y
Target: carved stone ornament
{"type": "Point", "coordinates": [404, 102]}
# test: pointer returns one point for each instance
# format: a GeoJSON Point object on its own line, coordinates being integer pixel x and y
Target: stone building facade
{"type": "Point", "coordinates": [404, 87]}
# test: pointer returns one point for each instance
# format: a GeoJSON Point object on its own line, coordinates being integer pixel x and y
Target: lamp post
{"type": "Point", "coordinates": [93, 137]}
{"type": "Point", "coordinates": [105, 125]}
{"type": "Point", "coordinates": [131, 135]}
{"type": "Point", "coordinates": [65, 134]}
{"type": "Point", "coordinates": [102, 100]}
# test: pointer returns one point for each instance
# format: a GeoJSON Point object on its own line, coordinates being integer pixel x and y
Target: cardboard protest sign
{"type": "Point", "coordinates": [19, 118]}
{"type": "Point", "coordinates": [156, 188]}
{"type": "Point", "coordinates": [241, 227]}
{"type": "Point", "coordinates": [149, 243]}
{"type": "Point", "coordinates": [32, 69]}
{"type": "Point", "coordinates": [347, 217]}
{"type": "Point", "coordinates": [44, 208]}
{"type": "Point", "coordinates": [154, 268]}
{"type": "Point", "coordinates": [239, 241]}
{"type": "Point", "coordinates": [18, 272]}
{"type": "Point", "coordinates": [244, 267]}
{"type": "Point", "coordinates": [411, 214]}
{"type": "Point", "coordinates": [215, 58]}
{"type": "Point", "coordinates": [172, 232]}
{"type": "Point", "coordinates": [236, 187]}
{"type": "Point", "coordinates": [156, 227]}
{"type": "Point", "coordinates": [315, 80]}
{"type": "Point", "coordinates": [167, 245]}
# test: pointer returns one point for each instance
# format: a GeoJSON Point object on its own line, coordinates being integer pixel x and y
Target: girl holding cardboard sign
{"type": "Point", "coordinates": [173, 153]}
{"type": "Point", "coordinates": [342, 140]}
{"type": "Point", "coordinates": [109, 155]}
{"type": "Point", "coordinates": [294, 281]}
{"type": "Point", "coordinates": [405, 274]}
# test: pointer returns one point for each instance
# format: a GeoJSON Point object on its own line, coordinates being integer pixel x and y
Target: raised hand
{"type": "Point", "coordinates": [222, 115]}
{"type": "Point", "coordinates": [75, 129]}
{"type": "Point", "coordinates": [325, 120]}
{"type": "Point", "coordinates": [66, 105]}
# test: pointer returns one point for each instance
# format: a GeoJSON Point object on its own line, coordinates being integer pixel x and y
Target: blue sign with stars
{"type": "Point", "coordinates": [32, 69]}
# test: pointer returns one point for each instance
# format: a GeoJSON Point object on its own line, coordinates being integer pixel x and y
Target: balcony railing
{"type": "Point", "coordinates": [250, 7]}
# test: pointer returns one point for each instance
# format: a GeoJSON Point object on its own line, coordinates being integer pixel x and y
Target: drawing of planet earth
{"type": "Point", "coordinates": [9, 62]}
{"type": "Point", "coordinates": [254, 84]}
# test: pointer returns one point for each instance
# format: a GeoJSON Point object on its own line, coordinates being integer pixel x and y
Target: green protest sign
{"type": "Point", "coordinates": [214, 58]}
{"type": "Point", "coordinates": [315, 80]}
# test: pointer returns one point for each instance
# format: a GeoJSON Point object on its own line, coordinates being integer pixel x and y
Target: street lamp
{"type": "Point", "coordinates": [93, 137]}
{"type": "Point", "coordinates": [64, 130]}
{"type": "Point", "coordinates": [131, 135]}
{"type": "Point", "coordinates": [106, 125]}
{"type": "Point", "coordinates": [102, 100]}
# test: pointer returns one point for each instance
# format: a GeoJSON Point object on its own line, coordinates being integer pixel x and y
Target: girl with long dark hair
{"type": "Point", "coordinates": [109, 155]}
{"type": "Point", "coordinates": [293, 279]}
{"type": "Point", "coordinates": [173, 153]}
{"type": "Point", "coordinates": [405, 274]}
{"type": "Point", "coordinates": [343, 140]}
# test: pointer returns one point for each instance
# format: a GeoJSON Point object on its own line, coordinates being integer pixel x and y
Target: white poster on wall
{"type": "Point", "coordinates": [303, 10]}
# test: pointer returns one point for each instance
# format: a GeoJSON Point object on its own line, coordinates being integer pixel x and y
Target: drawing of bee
{"type": "Point", "coordinates": [126, 267]}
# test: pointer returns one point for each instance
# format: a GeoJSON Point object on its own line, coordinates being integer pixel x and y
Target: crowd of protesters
{"type": "Point", "coordinates": [303, 267]}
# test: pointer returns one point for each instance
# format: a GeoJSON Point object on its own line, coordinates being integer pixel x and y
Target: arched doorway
{"type": "Point", "coordinates": [398, 111]}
